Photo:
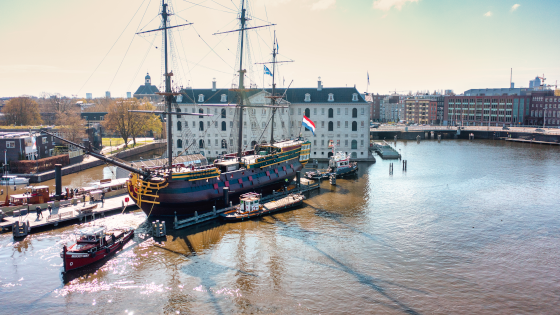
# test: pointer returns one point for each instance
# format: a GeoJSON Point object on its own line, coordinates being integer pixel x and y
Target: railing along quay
{"type": "Point", "coordinates": [215, 213]}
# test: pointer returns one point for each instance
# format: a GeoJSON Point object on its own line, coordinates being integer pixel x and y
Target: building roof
{"type": "Point", "coordinates": [93, 115]}
{"type": "Point", "coordinates": [146, 90]}
{"type": "Point", "coordinates": [294, 95]}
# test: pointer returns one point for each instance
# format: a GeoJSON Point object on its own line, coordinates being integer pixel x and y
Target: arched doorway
{"type": "Point", "coordinates": [329, 154]}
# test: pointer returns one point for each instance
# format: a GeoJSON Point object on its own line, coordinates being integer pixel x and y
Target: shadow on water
{"type": "Point", "coordinates": [371, 282]}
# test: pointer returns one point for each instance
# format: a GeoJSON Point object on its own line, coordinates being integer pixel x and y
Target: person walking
{"type": "Point", "coordinates": [84, 199]}
{"type": "Point", "coordinates": [39, 212]}
{"type": "Point", "coordinates": [50, 209]}
{"type": "Point", "coordinates": [102, 199]}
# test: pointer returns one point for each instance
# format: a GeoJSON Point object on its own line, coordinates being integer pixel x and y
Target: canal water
{"type": "Point", "coordinates": [470, 228]}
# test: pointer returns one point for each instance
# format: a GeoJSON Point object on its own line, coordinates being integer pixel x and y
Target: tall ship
{"type": "Point", "coordinates": [180, 188]}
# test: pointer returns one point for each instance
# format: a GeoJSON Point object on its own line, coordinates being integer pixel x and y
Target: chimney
{"type": "Point", "coordinates": [214, 85]}
{"type": "Point", "coordinates": [319, 85]}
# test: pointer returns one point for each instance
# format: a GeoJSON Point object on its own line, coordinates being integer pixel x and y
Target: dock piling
{"type": "Point", "coordinates": [298, 179]}
{"type": "Point", "coordinates": [159, 229]}
{"type": "Point", "coordinates": [226, 196]}
{"type": "Point", "coordinates": [391, 169]}
{"type": "Point", "coordinates": [332, 179]}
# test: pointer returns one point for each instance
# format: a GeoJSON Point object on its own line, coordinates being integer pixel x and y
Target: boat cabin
{"type": "Point", "coordinates": [227, 165]}
{"type": "Point", "coordinates": [37, 195]}
{"type": "Point", "coordinates": [249, 202]}
{"type": "Point", "coordinates": [340, 159]}
{"type": "Point", "coordinates": [89, 237]}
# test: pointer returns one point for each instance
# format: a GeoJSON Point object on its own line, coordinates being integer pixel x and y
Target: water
{"type": "Point", "coordinates": [471, 228]}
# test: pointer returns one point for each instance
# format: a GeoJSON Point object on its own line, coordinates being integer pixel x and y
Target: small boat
{"type": "Point", "coordinates": [339, 164]}
{"type": "Point", "coordinates": [13, 180]}
{"type": "Point", "coordinates": [250, 207]}
{"type": "Point", "coordinates": [93, 244]}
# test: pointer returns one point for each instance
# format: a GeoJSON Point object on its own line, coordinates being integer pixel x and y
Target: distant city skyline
{"type": "Point", "coordinates": [405, 45]}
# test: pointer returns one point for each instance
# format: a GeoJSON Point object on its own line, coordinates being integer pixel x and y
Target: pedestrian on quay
{"type": "Point", "coordinates": [102, 199]}
{"type": "Point", "coordinates": [50, 209]}
{"type": "Point", "coordinates": [84, 199]}
{"type": "Point", "coordinates": [39, 212]}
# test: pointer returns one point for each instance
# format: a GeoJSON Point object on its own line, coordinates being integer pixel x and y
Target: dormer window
{"type": "Point", "coordinates": [307, 97]}
{"type": "Point", "coordinates": [354, 97]}
{"type": "Point", "coordinates": [201, 98]}
{"type": "Point", "coordinates": [224, 98]}
{"type": "Point", "coordinates": [179, 98]}
{"type": "Point", "coordinates": [331, 97]}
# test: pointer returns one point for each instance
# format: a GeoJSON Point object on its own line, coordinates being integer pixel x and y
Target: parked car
{"type": "Point", "coordinates": [539, 130]}
{"type": "Point", "coordinates": [505, 128]}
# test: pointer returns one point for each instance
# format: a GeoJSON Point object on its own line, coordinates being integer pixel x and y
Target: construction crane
{"type": "Point", "coordinates": [395, 91]}
{"type": "Point", "coordinates": [542, 80]}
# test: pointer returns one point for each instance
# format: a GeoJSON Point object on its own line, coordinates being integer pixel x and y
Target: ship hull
{"type": "Point", "coordinates": [183, 198]}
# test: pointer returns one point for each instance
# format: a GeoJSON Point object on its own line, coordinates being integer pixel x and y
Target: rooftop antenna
{"type": "Point", "coordinates": [511, 77]}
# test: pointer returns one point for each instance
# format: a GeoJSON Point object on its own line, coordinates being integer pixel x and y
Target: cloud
{"type": "Point", "coordinates": [488, 14]}
{"type": "Point", "coordinates": [322, 4]}
{"type": "Point", "coordinates": [515, 7]}
{"type": "Point", "coordinates": [386, 5]}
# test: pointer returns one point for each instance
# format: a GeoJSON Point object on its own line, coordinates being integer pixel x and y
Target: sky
{"type": "Point", "coordinates": [77, 47]}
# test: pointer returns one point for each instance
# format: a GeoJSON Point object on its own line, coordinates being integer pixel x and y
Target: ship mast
{"type": "Point", "coordinates": [168, 96]}
{"type": "Point", "coordinates": [241, 85]}
{"type": "Point", "coordinates": [273, 89]}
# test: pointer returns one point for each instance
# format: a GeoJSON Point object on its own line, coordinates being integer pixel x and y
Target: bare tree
{"type": "Point", "coordinates": [72, 125]}
{"type": "Point", "coordinates": [22, 111]}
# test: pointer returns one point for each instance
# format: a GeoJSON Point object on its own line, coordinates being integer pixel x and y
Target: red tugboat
{"type": "Point", "coordinates": [94, 243]}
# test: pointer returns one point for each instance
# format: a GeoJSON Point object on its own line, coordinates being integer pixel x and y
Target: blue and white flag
{"type": "Point", "coordinates": [368, 78]}
{"type": "Point", "coordinates": [267, 71]}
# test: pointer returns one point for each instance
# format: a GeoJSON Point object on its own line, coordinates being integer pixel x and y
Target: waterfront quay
{"type": "Point", "coordinates": [468, 228]}
{"type": "Point", "coordinates": [463, 132]}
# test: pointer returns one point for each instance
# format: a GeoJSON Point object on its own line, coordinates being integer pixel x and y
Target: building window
{"type": "Point", "coordinates": [179, 143]}
{"type": "Point", "coordinates": [314, 111]}
{"type": "Point", "coordinates": [322, 124]}
{"type": "Point", "coordinates": [10, 144]}
{"type": "Point", "coordinates": [338, 124]}
{"type": "Point", "coordinates": [354, 144]}
{"type": "Point", "coordinates": [201, 144]}
{"type": "Point", "coordinates": [338, 111]}
{"type": "Point", "coordinates": [224, 144]}
{"type": "Point", "coordinates": [331, 126]}
{"type": "Point", "coordinates": [224, 98]}
{"type": "Point", "coordinates": [331, 113]}
{"type": "Point", "coordinates": [179, 127]}
{"type": "Point", "coordinates": [345, 124]}
{"type": "Point", "coordinates": [307, 97]}
{"type": "Point", "coordinates": [307, 112]}
{"type": "Point", "coordinates": [363, 111]}
{"type": "Point", "coordinates": [201, 126]}
{"type": "Point", "coordinates": [354, 97]}
{"type": "Point", "coordinates": [223, 126]}
{"type": "Point", "coordinates": [201, 111]}
{"type": "Point", "coordinates": [223, 113]}
{"type": "Point", "coordinates": [354, 126]}
{"type": "Point", "coordinates": [322, 111]}
{"type": "Point", "coordinates": [354, 113]}
{"type": "Point", "coordinates": [201, 98]}
{"type": "Point", "coordinates": [361, 143]}
{"type": "Point", "coordinates": [331, 97]}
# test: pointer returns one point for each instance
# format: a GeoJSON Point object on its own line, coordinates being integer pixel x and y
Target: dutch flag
{"type": "Point", "coordinates": [308, 124]}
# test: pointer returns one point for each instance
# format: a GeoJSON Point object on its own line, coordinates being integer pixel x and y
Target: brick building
{"type": "Point", "coordinates": [421, 111]}
{"type": "Point", "coordinates": [544, 109]}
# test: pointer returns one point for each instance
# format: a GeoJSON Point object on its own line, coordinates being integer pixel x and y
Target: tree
{"type": "Point", "coordinates": [22, 111]}
{"type": "Point", "coordinates": [72, 125]}
{"type": "Point", "coordinates": [130, 124]}
{"type": "Point", "coordinates": [143, 123]}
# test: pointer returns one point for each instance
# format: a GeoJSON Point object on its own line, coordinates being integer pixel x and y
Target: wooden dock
{"type": "Point", "coordinates": [66, 213]}
{"type": "Point", "coordinates": [305, 186]}
{"type": "Point", "coordinates": [386, 151]}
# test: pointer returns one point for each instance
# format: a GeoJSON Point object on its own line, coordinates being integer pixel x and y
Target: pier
{"type": "Point", "coordinates": [64, 212]}
{"type": "Point", "coordinates": [386, 151]}
{"type": "Point", "coordinates": [214, 214]}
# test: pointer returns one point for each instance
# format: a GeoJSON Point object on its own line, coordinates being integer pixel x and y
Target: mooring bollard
{"type": "Point", "coordinates": [418, 138]}
{"type": "Point", "coordinates": [391, 169]}
{"type": "Point", "coordinates": [196, 216]}
{"type": "Point", "coordinates": [404, 165]}
{"type": "Point", "coordinates": [226, 196]}
{"type": "Point", "coordinates": [471, 136]}
{"type": "Point", "coordinates": [214, 210]}
{"type": "Point", "coordinates": [438, 137]}
{"type": "Point", "coordinates": [395, 138]}
{"type": "Point", "coordinates": [332, 179]}
{"type": "Point", "coordinates": [159, 229]}
{"type": "Point", "coordinates": [425, 135]}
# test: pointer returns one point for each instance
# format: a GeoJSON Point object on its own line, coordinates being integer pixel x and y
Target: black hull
{"type": "Point", "coordinates": [183, 198]}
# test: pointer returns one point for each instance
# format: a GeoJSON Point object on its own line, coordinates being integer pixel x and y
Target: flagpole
{"type": "Point", "coordinates": [301, 125]}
